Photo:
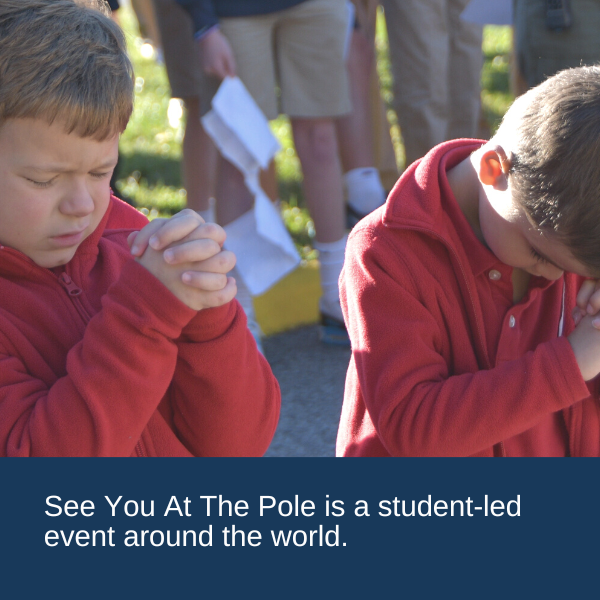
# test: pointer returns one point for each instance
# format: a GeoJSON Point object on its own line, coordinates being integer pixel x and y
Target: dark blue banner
{"type": "Point", "coordinates": [299, 528]}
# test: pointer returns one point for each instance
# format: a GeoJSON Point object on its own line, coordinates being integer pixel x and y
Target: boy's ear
{"type": "Point", "coordinates": [494, 167]}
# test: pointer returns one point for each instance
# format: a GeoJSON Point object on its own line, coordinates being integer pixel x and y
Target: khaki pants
{"type": "Point", "coordinates": [436, 62]}
{"type": "Point", "coordinates": [383, 149]}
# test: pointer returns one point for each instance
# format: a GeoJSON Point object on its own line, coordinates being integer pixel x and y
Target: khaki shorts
{"type": "Point", "coordinates": [291, 61]}
{"type": "Point", "coordinates": [180, 50]}
{"type": "Point", "coordinates": [300, 51]}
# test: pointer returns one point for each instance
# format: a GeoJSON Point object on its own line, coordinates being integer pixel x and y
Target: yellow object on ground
{"type": "Point", "coordinates": [292, 302]}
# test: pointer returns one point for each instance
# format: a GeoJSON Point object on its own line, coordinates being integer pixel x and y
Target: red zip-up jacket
{"type": "Point", "coordinates": [101, 359]}
{"type": "Point", "coordinates": [443, 363]}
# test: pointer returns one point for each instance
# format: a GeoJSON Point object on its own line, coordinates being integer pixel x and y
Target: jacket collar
{"type": "Point", "coordinates": [423, 200]}
{"type": "Point", "coordinates": [415, 199]}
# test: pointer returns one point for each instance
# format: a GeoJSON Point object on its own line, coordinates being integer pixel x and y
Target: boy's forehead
{"type": "Point", "coordinates": [37, 144]}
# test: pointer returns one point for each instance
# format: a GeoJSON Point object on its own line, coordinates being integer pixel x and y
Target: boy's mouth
{"type": "Point", "coordinates": [68, 239]}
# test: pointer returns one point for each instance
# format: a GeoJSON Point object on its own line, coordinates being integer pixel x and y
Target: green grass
{"type": "Point", "coordinates": [149, 172]}
{"type": "Point", "coordinates": [495, 93]}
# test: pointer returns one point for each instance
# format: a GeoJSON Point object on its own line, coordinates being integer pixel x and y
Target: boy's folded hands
{"type": "Point", "coordinates": [186, 255]}
{"type": "Point", "coordinates": [588, 301]}
{"type": "Point", "coordinates": [585, 339]}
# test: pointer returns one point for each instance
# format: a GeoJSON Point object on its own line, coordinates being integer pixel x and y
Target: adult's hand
{"type": "Point", "coordinates": [216, 55]}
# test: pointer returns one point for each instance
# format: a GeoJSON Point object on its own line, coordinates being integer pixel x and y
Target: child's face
{"type": "Point", "coordinates": [54, 188]}
{"type": "Point", "coordinates": [517, 243]}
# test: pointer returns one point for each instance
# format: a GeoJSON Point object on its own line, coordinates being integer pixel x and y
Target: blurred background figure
{"type": "Point", "coordinates": [199, 155]}
{"type": "Point", "coordinates": [551, 35]}
{"type": "Point", "coordinates": [366, 149]}
{"type": "Point", "coordinates": [436, 63]}
{"type": "Point", "coordinates": [290, 57]}
{"type": "Point", "coordinates": [147, 23]}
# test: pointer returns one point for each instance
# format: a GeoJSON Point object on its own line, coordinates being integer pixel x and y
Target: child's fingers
{"type": "Point", "coordinates": [578, 314]}
{"type": "Point", "coordinates": [191, 252]}
{"type": "Point", "coordinates": [585, 292]}
{"type": "Point", "coordinates": [220, 297]}
{"type": "Point", "coordinates": [175, 229]}
{"type": "Point", "coordinates": [210, 231]}
{"type": "Point", "coordinates": [140, 243]}
{"type": "Point", "coordinates": [223, 262]}
{"type": "Point", "coordinates": [210, 282]}
{"type": "Point", "coordinates": [593, 305]}
{"type": "Point", "coordinates": [131, 237]}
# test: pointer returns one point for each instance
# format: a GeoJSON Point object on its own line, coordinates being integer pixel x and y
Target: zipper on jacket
{"type": "Point", "coordinates": [69, 285]}
{"type": "Point", "coordinates": [74, 292]}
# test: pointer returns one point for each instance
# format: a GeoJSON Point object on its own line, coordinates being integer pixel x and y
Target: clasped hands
{"type": "Point", "coordinates": [186, 255]}
{"type": "Point", "coordinates": [585, 339]}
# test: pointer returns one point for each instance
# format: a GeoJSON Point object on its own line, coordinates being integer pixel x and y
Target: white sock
{"type": "Point", "coordinates": [209, 214]}
{"type": "Point", "coordinates": [331, 260]}
{"type": "Point", "coordinates": [364, 188]}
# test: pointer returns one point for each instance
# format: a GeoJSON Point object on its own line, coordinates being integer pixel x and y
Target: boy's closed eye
{"type": "Point", "coordinates": [44, 184]}
{"type": "Point", "coordinates": [41, 184]}
{"type": "Point", "coordinates": [102, 175]}
{"type": "Point", "coordinates": [538, 257]}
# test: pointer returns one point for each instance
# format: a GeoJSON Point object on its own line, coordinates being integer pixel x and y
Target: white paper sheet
{"type": "Point", "coordinates": [264, 249]}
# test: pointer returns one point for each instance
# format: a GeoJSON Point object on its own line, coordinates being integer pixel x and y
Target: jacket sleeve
{"type": "Point", "coordinates": [116, 376]}
{"type": "Point", "coordinates": [225, 398]}
{"type": "Point", "coordinates": [417, 407]}
{"type": "Point", "coordinates": [203, 15]}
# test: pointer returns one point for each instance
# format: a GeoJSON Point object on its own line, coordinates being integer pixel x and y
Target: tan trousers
{"type": "Point", "coordinates": [383, 149]}
{"type": "Point", "coordinates": [436, 62]}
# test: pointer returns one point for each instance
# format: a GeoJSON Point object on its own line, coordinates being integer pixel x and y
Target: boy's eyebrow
{"type": "Point", "coordinates": [58, 168]}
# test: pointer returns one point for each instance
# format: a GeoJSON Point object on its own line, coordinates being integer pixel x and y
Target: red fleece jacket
{"type": "Point", "coordinates": [442, 362]}
{"type": "Point", "coordinates": [101, 359]}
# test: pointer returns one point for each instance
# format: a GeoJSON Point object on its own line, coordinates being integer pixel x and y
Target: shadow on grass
{"type": "Point", "coordinates": [154, 169]}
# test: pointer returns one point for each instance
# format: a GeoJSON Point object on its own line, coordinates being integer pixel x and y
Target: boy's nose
{"type": "Point", "coordinates": [553, 273]}
{"type": "Point", "coordinates": [78, 202]}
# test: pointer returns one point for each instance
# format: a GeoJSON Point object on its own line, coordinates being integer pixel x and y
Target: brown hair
{"type": "Point", "coordinates": [64, 60]}
{"type": "Point", "coordinates": [555, 166]}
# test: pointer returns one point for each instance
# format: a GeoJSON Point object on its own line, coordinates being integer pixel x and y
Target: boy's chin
{"type": "Point", "coordinates": [54, 260]}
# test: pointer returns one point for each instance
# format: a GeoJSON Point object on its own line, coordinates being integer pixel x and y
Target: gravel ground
{"type": "Point", "coordinates": [311, 376]}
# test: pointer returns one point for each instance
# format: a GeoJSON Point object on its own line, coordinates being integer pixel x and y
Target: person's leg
{"type": "Point", "coordinates": [233, 200]}
{"type": "Point", "coordinates": [146, 16]}
{"type": "Point", "coordinates": [356, 126]}
{"type": "Point", "coordinates": [199, 161]}
{"type": "Point", "coordinates": [187, 82]}
{"type": "Point", "coordinates": [418, 42]}
{"type": "Point", "coordinates": [383, 148]}
{"type": "Point", "coordinates": [464, 74]}
{"type": "Point", "coordinates": [316, 145]}
{"type": "Point", "coordinates": [250, 40]}
{"type": "Point", "coordinates": [268, 182]}
{"type": "Point", "coordinates": [355, 133]}
{"type": "Point", "coordinates": [233, 197]}
{"type": "Point", "coordinates": [309, 42]}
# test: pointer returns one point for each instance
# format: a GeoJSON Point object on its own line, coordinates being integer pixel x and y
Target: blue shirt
{"type": "Point", "coordinates": [206, 13]}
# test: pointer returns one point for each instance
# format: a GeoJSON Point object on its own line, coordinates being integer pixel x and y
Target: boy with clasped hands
{"type": "Point", "coordinates": [473, 331]}
{"type": "Point", "coordinates": [118, 337]}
